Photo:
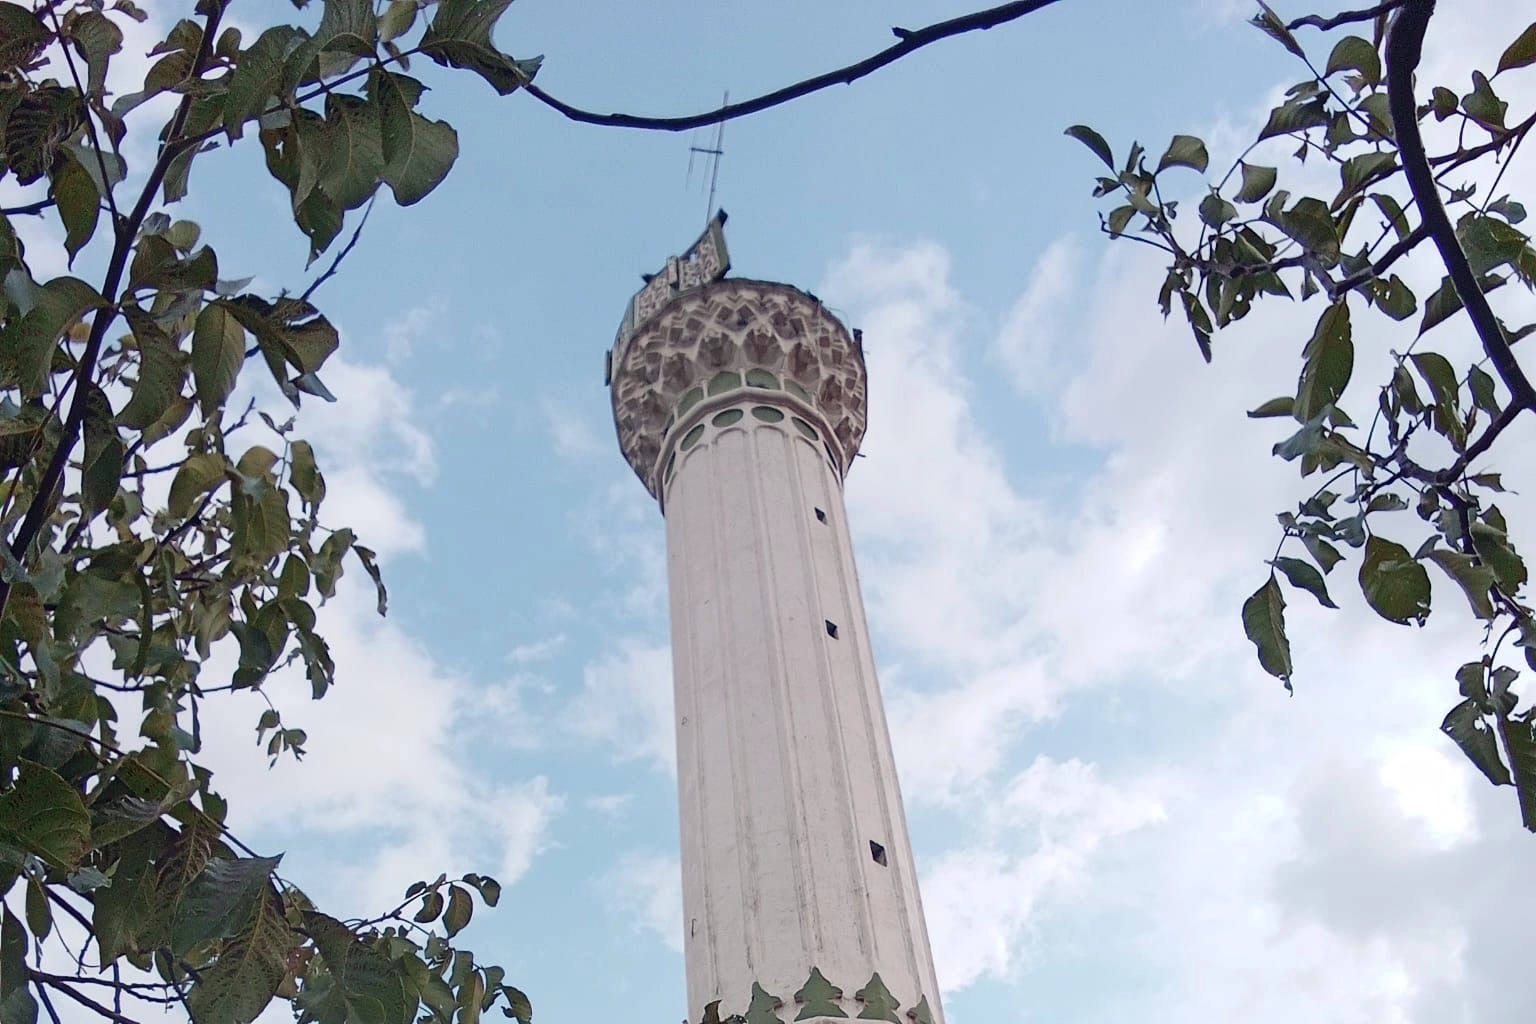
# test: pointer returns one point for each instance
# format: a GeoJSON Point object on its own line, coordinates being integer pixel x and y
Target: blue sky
{"type": "Point", "coordinates": [1060, 510]}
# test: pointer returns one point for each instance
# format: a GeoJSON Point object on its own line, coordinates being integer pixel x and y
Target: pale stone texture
{"type": "Point", "coordinates": [785, 771]}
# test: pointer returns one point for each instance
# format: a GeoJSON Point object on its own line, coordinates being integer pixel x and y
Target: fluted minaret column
{"type": "Point", "coordinates": [741, 404]}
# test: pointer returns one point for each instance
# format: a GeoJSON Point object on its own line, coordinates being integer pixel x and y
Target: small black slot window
{"type": "Point", "coordinates": [877, 852]}
{"type": "Point", "coordinates": [831, 629]}
{"type": "Point", "coordinates": [821, 516]}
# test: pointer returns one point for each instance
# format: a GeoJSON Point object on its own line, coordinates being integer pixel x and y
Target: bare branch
{"type": "Point", "coordinates": [30, 208]}
{"type": "Point", "coordinates": [1343, 17]}
{"type": "Point", "coordinates": [330, 271]}
{"type": "Point", "coordinates": [1405, 44]}
{"type": "Point", "coordinates": [84, 1000]}
{"type": "Point", "coordinates": [908, 42]}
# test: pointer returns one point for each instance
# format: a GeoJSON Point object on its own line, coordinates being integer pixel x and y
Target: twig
{"type": "Point", "coordinates": [909, 41]}
{"type": "Point", "coordinates": [330, 271]}
{"type": "Point", "coordinates": [1343, 17]}
{"type": "Point", "coordinates": [1405, 45]}
{"type": "Point", "coordinates": [1481, 445]}
{"type": "Point", "coordinates": [90, 122]}
{"type": "Point", "coordinates": [48, 1004]}
{"type": "Point", "coordinates": [82, 999]}
{"type": "Point", "coordinates": [1398, 250]}
{"type": "Point", "coordinates": [1463, 156]}
{"type": "Point", "coordinates": [30, 208]}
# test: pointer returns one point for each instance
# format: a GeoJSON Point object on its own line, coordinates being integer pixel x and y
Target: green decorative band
{"type": "Point", "coordinates": [818, 997]}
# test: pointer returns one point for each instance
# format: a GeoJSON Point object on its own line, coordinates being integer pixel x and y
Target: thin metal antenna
{"type": "Point", "coordinates": [714, 153]}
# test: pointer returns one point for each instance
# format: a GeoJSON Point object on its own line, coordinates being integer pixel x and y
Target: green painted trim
{"type": "Point", "coordinates": [762, 1007]}
{"type": "Point", "coordinates": [820, 997]}
{"type": "Point", "coordinates": [921, 1013]}
{"type": "Point", "coordinates": [878, 1002]}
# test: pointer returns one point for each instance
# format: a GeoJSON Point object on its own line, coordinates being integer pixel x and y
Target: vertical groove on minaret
{"type": "Point", "coordinates": [807, 910]}
{"type": "Point", "coordinates": [848, 580]}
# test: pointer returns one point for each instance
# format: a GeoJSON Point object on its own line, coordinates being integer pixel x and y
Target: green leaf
{"type": "Point", "coordinates": [1492, 546]}
{"type": "Point", "coordinates": [1483, 105]}
{"type": "Point", "coordinates": [365, 986]}
{"type": "Point", "coordinates": [1489, 242]}
{"type": "Point", "coordinates": [1393, 211]}
{"type": "Point", "coordinates": [1270, 23]}
{"type": "Point", "coordinates": [460, 909]}
{"type": "Point", "coordinates": [1264, 623]}
{"type": "Point", "coordinates": [1520, 741]}
{"type": "Point", "coordinates": [1304, 577]}
{"type": "Point", "coordinates": [1310, 223]}
{"type": "Point", "coordinates": [1327, 363]}
{"type": "Point", "coordinates": [1282, 406]}
{"type": "Point", "coordinates": [1257, 181]}
{"type": "Point", "coordinates": [16, 1004]}
{"type": "Point", "coordinates": [160, 373]}
{"type": "Point", "coordinates": [27, 343]}
{"type": "Point", "coordinates": [45, 815]}
{"type": "Point", "coordinates": [518, 1006]}
{"type": "Point", "coordinates": [1394, 297]}
{"type": "Point", "coordinates": [96, 38]}
{"type": "Point", "coordinates": [38, 126]}
{"type": "Point", "coordinates": [1364, 169]}
{"type": "Point", "coordinates": [1118, 218]}
{"type": "Point", "coordinates": [1442, 304]}
{"type": "Point", "coordinates": [1185, 151]}
{"type": "Point", "coordinates": [431, 906]}
{"type": "Point", "coordinates": [79, 205]}
{"type": "Point", "coordinates": [1216, 211]}
{"type": "Point", "coordinates": [22, 36]}
{"type": "Point", "coordinates": [1295, 115]}
{"type": "Point", "coordinates": [1475, 579]}
{"type": "Point", "coordinates": [1519, 53]}
{"type": "Point", "coordinates": [249, 969]}
{"type": "Point", "coordinates": [201, 473]}
{"type": "Point", "coordinates": [1322, 552]}
{"type": "Point", "coordinates": [460, 36]}
{"type": "Point", "coordinates": [221, 901]}
{"type": "Point", "coordinates": [218, 353]}
{"type": "Point", "coordinates": [354, 159]}
{"type": "Point", "coordinates": [1438, 374]}
{"type": "Point", "coordinates": [289, 330]}
{"type": "Point", "coordinates": [258, 76]}
{"type": "Point", "coordinates": [1094, 141]}
{"type": "Point", "coordinates": [1394, 585]}
{"type": "Point", "coordinates": [418, 153]}
{"type": "Point", "coordinates": [1354, 53]}
{"type": "Point", "coordinates": [1465, 725]}
{"type": "Point", "coordinates": [371, 567]}
{"type": "Point", "coordinates": [1480, 383]}
{"type": "Point", "coordinates": [39, 917]}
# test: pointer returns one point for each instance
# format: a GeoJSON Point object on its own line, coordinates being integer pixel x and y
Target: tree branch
{"type": "Point", "coordinates": [30, 208]}
{"type": "Point", "coordinates": [1343, 17]}
{"type": "Point", "coordinates": [330, 271]}
{"type": "Point", "coordinates": [84, 1000]}
{"type": "Point", "coordinates": [1405, 45]}
{"type": "Point", "coordinates": [908, 42]}
{"type": "Point", "coordinates": [37, 512]}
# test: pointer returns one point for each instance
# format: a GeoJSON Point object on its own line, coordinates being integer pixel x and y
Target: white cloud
{"type": "Point", "coordinates": [647, 889]}
{"type": "Point", "coordinates": [1263, 858]}
{"type": "Point", "coordinates": [625, 705]}
{"type": "Point", "coordinates": [387, 765]}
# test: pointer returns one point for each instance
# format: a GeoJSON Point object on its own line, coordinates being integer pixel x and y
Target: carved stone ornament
{"type": "Point", "coordinates": [729, 334]}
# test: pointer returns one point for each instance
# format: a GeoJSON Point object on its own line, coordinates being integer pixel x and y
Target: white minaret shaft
{"type": "Point", "coordinates": [741, 404]}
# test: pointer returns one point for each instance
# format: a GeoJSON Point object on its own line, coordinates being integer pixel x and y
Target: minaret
{"type": "Point", "coordinates": [741, 404]}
